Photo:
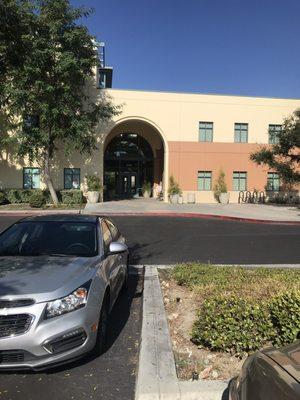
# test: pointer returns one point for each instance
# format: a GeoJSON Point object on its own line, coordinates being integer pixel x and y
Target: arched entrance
{"type": "Point", "coordinates": [133, 155]}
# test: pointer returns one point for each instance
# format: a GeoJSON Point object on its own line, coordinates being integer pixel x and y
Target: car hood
{"type": "Point", "coordinates": [287, 357]}
{"type": "Point", "coordinates": [43, 278]}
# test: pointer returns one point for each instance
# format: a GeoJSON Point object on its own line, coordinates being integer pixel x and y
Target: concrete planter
{"type": "Point", "coordinates": [174, 198]}
{"type": "Point", "coordinates": [224, 198]}
{"type": "Point", "coordinates": [146, 194]}
{"type": "Point", "coordinates": [93, 197]}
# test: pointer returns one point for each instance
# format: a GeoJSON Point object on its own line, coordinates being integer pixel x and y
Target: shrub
{"type": "Point", "coordinates": [146, 187]}
{"type": "Point", "coordinates": [220, 185]}
{"type": "Point", "coordinates": [232, 325]}
{"type": "Point", "coordinates": [70, 197]}
{"type": "Point", "coordinates": [2, 198]}
{"type": "Point", "coordinates": [37, 199]}
{"type": "Point", "coordinates": [93, 183]}
{"type": "Point", "coordinates": [14, 196]}
{"type": "Point", "coordinates": [173, 187]}
{"type": "Point", "coordinates": [285, 316]}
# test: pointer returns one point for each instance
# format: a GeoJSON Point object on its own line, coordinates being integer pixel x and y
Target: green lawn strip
{"type": "Point", "coordinates": [242, 309]}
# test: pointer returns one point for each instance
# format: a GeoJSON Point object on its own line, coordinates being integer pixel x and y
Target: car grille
{"type": "Point", "coordinates": [12, 356]}
{"type": "Point", "coordinates": [14, 324]}
{"type": "Point", "coordinates": [16, 303]}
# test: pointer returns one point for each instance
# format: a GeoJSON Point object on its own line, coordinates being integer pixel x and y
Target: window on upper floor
{"type": "Point", "coordinates": [239, 180]}
{"type": "Point", "coordinates": [240, 132]}
{"type": "Point", "coordinates": [206, 131]}
{"type": "Point", "coordinates": [31, 178]}
{"type": "Point", "coordinates": [102, 80]}
{"type": "Point", "coordinates": [274, 131]}
{"type": "Point", "coordinates": [273, 182]}
{"type": "Point", "coordinates": [72, 178]}
{"type": "Point", "coordinates": [204, 180]}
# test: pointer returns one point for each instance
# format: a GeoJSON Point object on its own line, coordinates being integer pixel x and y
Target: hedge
{"type": "Point", "coordinates": [242, 309]}
{"type": "Point", "coordinates": [17, 196]}
{"type": "Point", "coordinates": [240, 326]}
{"type": "Point", "coordinates": [37, 199]}
{"type": "Point", "coordinates": [70, 197]}
{"type": "Point", "coordinates": [3, 199]}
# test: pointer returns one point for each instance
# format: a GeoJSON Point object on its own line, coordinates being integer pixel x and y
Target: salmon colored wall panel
{"type": "Point", "coordinates": [186, 159]}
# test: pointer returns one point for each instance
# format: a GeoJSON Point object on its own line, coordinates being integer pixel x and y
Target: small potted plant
{"type": "Point", "coordinates": [174, 191]}
{"type": "Point", "coordinates": [94, 187]}
{"type": "Point", "coordinates": [146, 189]}
{"type": "Point", "coordinates": [220, 189]}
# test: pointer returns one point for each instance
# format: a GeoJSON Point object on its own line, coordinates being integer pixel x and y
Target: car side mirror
{"type": "Point", "coordinates": [117, 248]}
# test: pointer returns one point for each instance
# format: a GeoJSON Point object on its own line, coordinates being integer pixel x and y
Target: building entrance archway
{"type": "Point", "coordinates": [133, 155]}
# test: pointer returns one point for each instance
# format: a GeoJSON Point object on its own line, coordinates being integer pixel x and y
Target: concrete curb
{"type": "Point", "coordinates": [196, 215]}
{"type": "Point", "coordinates": [157, 379]}
{"type": "Point", "coordinates": [11, 213]}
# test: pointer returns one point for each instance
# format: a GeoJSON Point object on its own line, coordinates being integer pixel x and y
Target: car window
{"type": "Point", "coordinates": [107, 237]}
{"type": "Point", "coordinates": [33, 238]}
{"type": "Point", "coordinates": [113, 229]}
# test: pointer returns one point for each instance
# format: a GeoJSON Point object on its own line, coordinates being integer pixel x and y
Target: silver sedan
{"type": "Point", "coordinates": [60, 276]}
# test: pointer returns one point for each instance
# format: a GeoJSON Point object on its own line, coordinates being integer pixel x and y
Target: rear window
{"type": "Point", "coordinates": [30, 238]}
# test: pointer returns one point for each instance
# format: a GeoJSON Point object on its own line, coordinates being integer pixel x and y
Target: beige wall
{"type": "Point", "coordinates": [178, 114]}
{"type": "Point", "coordinates": [170, 120]}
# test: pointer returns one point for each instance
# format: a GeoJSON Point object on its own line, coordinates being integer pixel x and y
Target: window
{"type": "Point", "coordinates": [31, 178]}
{"type": "Point", "coordinates": [102, 80]}
{"type": "Point", "coordinates": [206, 131]}
{"type": "Point", "coordinates": [107, 238]}
{"type": "Point", "coordinates": [240, 133]}
{"type": "Point", "coordinates": [71, 178]}
{"type": "Point", "coordinates": [273, 182]}
{"type": "Point", "coordinates": [239, 181]}
{"type": "Point", "coordinates": [204, 180]}
{"type": "Point", "coordinates": [274, 130]}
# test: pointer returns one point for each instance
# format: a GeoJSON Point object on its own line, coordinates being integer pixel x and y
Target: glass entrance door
{"type": "Point", "coordinates": [128, 184]}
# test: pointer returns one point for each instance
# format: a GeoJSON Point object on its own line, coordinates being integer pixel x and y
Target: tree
{"type": "Point", "coordinates": [47, 89]}
{"type": "Point", "coordinates": [284, 156]}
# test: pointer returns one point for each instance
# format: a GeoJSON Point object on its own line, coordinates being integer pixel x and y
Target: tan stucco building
{"type": "Point", "coordinates": [159, 134]}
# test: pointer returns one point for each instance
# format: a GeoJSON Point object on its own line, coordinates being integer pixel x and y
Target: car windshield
{"type": "Point", "coordinates": [53, 238]}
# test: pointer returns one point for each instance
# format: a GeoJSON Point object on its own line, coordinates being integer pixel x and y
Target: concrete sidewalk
{"type": "Point", "coordinates": [260, 212]}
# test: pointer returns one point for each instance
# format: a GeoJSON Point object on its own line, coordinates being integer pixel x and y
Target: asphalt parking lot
{"type": "Point", "coordinates": [152, 240]}
{"type": "Point", "coordinates": [169, 240]}
{"type": "Point", "coordinates": [111, 376]}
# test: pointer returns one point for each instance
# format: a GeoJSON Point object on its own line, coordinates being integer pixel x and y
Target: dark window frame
{"type": "Point", "coordinates": [239, 131]}
{"type": "Point", "coordinates": [65, 169]}
{"type": "Point", "coordinates": [204, 180]}
{"type": "Point", "coordinates": [39, 174]}
{"type": "Point", "coordinates": [206, 131]}
{"type": "Point", "coordinates": [239, 180]}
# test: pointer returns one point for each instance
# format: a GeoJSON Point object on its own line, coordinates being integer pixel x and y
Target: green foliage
{"type": "Point", "coordinates": [146, 187]}
{"type": "Point", "coordinates": [3, 199]}
{"type": "Point", "coordinates": [93, 183]}
{"type": "Point", "coordinates": [220, 185]}
{"type": "Point", "coordinates": [283, 157]}
{"type": "Point", "coordinates": [37, 199]}
{"type": "Point", "coordinates": [71, 197]}
{"type": "Point", "coordinates": [173, 187]}
{"type": "Point", "coordinates": [242, 309]}
{"type": "Point", "coordinates": [285, 316]}
{"type": "Point", "coordinates": [232, 325]}
{"type": "Point", "coordinates": [46, 85]}
{"type": "Point", "coordinates": [14, 196]}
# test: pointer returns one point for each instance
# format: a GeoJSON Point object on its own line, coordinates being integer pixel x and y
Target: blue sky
{"type": "Point", "coordinates": [208, 46]}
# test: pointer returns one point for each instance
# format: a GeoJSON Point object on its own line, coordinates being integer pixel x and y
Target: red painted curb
{"type": "Point", "coordinates": [166, 214]}
{"type": "Point", "coordinates": [205, 216]}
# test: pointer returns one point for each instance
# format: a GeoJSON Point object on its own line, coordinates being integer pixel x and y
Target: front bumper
{"type": "Point", "coordinates": [49, 342]}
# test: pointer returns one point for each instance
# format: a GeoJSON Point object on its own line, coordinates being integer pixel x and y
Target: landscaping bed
{"type": "Point", "coordinates": [219, 315]}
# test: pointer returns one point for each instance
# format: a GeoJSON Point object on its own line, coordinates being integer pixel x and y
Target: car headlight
{"type": "Point", "coordinates": [72, 302]}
